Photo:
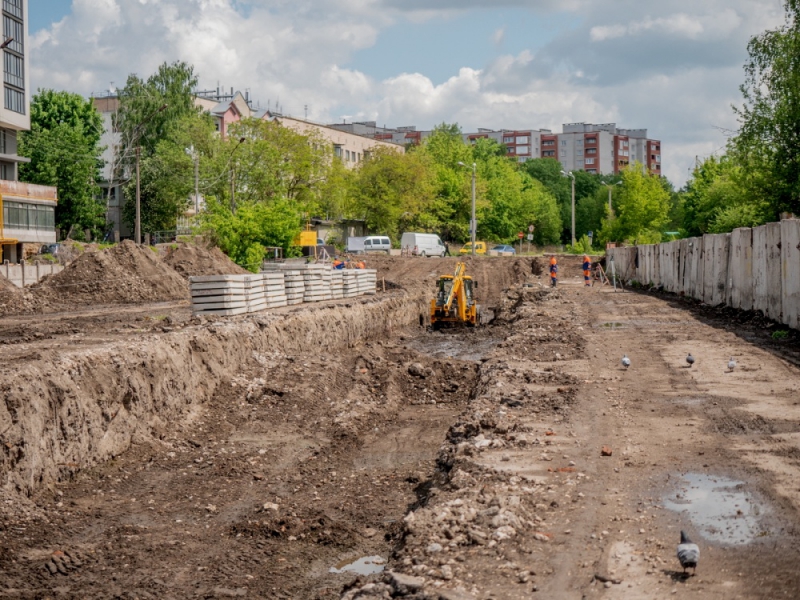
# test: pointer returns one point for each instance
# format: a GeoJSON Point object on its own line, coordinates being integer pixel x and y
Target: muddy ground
{"type": "Point", "coordinates": [463, 464]}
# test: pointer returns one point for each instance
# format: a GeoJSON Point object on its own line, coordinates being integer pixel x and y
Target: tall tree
{"type": "Point", "coordinates": [768, 142]}
{"type": "Point", "coordinates": [641, 209]}
{"type": "Point", "coordinates": [63, 145]}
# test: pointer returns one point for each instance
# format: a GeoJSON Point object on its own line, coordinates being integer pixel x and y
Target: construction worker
{"type": "Point", "coordinates": [587, 270]}
{"type": "Point", "coordinates": [553, 271]}
{"type": "Point", "coordinates": [338, 264]}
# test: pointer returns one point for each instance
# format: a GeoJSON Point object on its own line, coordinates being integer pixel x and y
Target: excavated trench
{"type": "Point", "coordinates": [248, 457]}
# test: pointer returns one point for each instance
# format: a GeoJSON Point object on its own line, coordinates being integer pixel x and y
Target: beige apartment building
{"type": "Point", "coordinates": [28, 218]}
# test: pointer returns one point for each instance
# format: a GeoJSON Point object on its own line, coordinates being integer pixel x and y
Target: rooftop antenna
{"type": "Point", "coordinates": [305, 107]}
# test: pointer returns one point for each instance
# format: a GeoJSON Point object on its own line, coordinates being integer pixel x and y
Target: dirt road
{"type": "Point", "coordinates": [462, 465]}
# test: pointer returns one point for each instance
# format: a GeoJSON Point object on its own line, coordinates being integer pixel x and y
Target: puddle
{"type": "Point", "coordinates": [367, 565]}
{"type": "Point", "coordinates": [454, 344]}
{"type": "Point", "coordinates": [720, 508]}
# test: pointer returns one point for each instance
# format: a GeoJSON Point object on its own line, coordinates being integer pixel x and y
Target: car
{"type": "Point", "coordinates": [480, 248]}
{"type": "Point", "coordinates": [504, 249]}
{"type": "Point", "coordinates": [53, 249]}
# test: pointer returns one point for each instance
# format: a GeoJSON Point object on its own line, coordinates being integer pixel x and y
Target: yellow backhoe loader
{"type": "Point", "coordinates": [454, 304]}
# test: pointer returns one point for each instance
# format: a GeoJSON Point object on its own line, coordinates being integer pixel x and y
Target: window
{"type": "Point", "coordinates": [522, 139]}
{"type": "Point", "coordinates": [14, 70]}
{"type": "Point", "coordinates": [523, 149]}
{"type": "Point", "coordinates": [579, 162]}
{"type": "Point", "coordinates": [511, 150]}
{"type": "Point", "coordinates": [549, 153]}
{"type": "Point", "coordinates": [563, 153]}
{"type": "Point", "coordinates": [337, 150]}
{"type": "Point", "coordinates": [591, 151]}
{"type": "Point", "coordinates": [591, 140]}
{"type": "Point", "coordinates": [13, 7]}
{"type": "Point", "coordinates": [589, 161]}
{"type": "Point", "coordinates": [508, 139]}
{"type": "Point", "coordinates": [579, 152]}
{"type": "Point", "coordinates": [6, 172]}
{"type": "Point", "coordinates": [563, 142]}
{"type": "Point", "coordinates": [28, 216]}
{"type": "Point", "coordinates": [14, 29]}
{"type": "Point", "coordinates": [347, 152]}
{"type": "Point", "coordinates": [548, 143]}
{"type": "Point", "coordinates": [15, 100]}
{"type": "Point", "coordinates": [3, 142]}
{"type": "Point", "coordinates": [591, 170]}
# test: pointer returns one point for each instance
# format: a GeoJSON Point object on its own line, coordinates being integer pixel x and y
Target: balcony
{"type": "Point", "coordinates": [27, 191]}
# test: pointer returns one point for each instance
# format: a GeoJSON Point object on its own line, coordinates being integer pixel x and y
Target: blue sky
{"type": "Point", "coordinates": [673, 67]}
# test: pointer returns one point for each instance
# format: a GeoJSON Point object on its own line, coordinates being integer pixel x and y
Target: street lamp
{"type": "Point", "coordinates": [137, 232]}
{"type": "Point", "coordinates": [571, 174]}
{"type": "Point", "coordinates": [233, 175]}
{"type": "Point", "coordinates": [473, 223]}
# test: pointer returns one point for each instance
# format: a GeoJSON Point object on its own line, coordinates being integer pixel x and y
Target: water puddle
{"type": "Point", "coordinates": [720, 508]}
{"type": "Point", "coordinates": [454, 344]}
{"type": "Point", "coordinates": [366, 565]}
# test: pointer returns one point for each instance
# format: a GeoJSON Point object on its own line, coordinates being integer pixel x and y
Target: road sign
{"type": "Point", "coordinates": [530, 237]}
{"type": "Point", "coordinates": [530, 228]}
{"type": "Point", "coordinates": [520, 235]}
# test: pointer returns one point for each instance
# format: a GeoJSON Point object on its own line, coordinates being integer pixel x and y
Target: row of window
{"type": "Point", "coordinates": [13, 7]}
{"type": "Point", "coordinates": [18, 215]}
{"type": "Point", "coordinates": [14, 29]}
{"type": "Point", "coordinates": [13, 61]}
{"type": "Point", "coordinates": [346, 155]}
{"type": "Point", "coordinates": [521, 139]}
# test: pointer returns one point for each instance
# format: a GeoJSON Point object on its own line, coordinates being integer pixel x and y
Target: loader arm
{"type": "Point", "coordinates": [458, 282]}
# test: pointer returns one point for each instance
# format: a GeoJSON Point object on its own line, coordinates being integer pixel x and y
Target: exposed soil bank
{"type": "Point", "coordinates": [69, 410]}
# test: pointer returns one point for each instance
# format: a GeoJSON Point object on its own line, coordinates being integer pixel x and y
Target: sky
{"type": "Point", "coordinates": [673, 67]}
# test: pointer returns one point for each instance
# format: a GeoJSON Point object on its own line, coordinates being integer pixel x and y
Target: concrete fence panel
{"type": "Point", "coordinates": [722, 246]}
{"type": "Point", "coordinates": [740, 269]}
{"type": "Point", "coordinates": [708, 269]}
{"type": "Point", "coordinates": [790, 272]}
{"type": "Point", "coordinates": [767, 284]}
{"type": "Point", "coordinates": [695, 287]}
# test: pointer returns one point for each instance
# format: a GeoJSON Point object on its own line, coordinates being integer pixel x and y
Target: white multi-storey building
{"type": "Point", "coordinates": [28, 210]}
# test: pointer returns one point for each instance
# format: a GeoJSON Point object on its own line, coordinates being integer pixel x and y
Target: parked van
{"type": "Point", "coordinates": [377, 243]}
{"type": "Point", "coordinates": [423, 244]}
{"type": "Point", "coordinates": [480, 248]}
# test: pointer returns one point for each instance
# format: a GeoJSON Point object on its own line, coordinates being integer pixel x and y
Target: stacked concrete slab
{"type": "Point", "coordinates": [337, 284]}
{"type": "Point", "coordinates": [747, 269]}
{"type": "Point", "coordinates": [367, 281]}
{"type": "Point", "coordinates": [294, 285]}
{"type": "Point", "coordinates": [226, 295]}
{"type": "Point", "coordinates": [317, 280]}
{"type": "Point", "coordinates": [349, 283]}
{"type": "Point", "coordinates": [275, 289]}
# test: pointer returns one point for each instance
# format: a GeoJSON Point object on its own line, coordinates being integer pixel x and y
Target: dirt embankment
{"type": "Point", "coordinates": [190, 260]}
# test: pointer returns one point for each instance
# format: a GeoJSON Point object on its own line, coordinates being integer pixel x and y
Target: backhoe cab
{"type": "Point", "coordinates": [454, 304]}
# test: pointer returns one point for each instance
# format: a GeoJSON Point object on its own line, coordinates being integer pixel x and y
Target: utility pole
{"type": "Point", "coordinates": [572, 175]}
{"type": "Point", "coordinates": [473, 224]}
{"type": "Point", "coordinates": [196, 184]}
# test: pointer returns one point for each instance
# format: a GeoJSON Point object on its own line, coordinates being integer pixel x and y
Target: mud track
{"type": "Point", "coordinates": [167, 458]}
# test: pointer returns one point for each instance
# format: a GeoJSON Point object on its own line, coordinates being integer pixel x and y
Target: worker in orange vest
{"type": "Point", "coordinates": [553, 271]}
{"type": "Point", "coordinates": [587, 270]}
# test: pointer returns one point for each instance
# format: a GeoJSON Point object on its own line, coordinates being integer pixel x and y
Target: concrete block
{"type": "Point", "coordinates": [790, 272]}
{"type": "Point", "coordinates": [740, 269]}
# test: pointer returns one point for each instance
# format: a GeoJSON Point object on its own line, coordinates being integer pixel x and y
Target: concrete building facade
{"type": "Point", "coordinates": [28, 210]}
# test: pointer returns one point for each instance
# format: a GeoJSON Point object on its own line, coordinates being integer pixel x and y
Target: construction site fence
{"type": "Point", "coordinates": [25, 273]}
{"type": "Point", "coordinates": [748, 269]}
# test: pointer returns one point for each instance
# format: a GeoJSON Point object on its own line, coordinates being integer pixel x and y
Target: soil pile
{"type": "Point", "coordinates": [11, 297]}
{"type": "Point", "coordinates": [125, 273]}
{"type": "Point", "coordinates": [191, 259]}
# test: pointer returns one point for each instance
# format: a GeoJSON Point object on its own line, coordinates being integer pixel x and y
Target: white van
{"type": "Point", "coordinates": [422, 244]}
{"type": "Point", "coordinates": [377, 243]}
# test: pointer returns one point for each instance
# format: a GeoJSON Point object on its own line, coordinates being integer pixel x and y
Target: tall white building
{"type": "Point", "coordinates": [28, 210]}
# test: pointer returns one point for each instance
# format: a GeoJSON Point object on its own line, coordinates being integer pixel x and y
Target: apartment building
{"type": "Point", "coordinates": [28, 215]}
{"type": "Point", "coordinates": [604, 148]}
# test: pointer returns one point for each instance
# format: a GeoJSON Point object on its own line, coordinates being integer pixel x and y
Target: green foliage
{"type": "Point", "coordinates": [63, 147]}
{"type": "Point", "coordinates": [245, 235]}
{"type": "Point", "coordinates": [641, 209]}
{"type": "Point", "coordinates": [582, 246]}
{"type": "Point", "coordinates": [766, 146]}
{"type": "Point", "coordinates": [780, 334]}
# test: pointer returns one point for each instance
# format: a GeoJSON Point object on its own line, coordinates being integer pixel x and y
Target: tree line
{"type": "Point", "coordinates": [262, 180]}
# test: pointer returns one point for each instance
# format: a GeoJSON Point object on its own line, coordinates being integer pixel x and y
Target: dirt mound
{"type": "Point", "coordinates": [11, 296]}
{"type": "Point", "coordinates": [123, 274]}
{"type": "Point", "coordinates": [191, 259]}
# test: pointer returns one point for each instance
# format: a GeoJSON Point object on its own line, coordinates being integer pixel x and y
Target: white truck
{"type": "Point", "coordinates": [422, 244]}
{"type": "Point", "coordinates": [370, 243]}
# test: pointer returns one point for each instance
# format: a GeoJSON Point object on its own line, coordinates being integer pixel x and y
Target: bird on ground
{"type": "Point", "coordinates": [688, 553]}
{"type": "Point", "coordinates": [731, 364]}
{"type": "Point", "coordinates": [626, 362]}
{"type": "Point", "coordinates": [690, 360]}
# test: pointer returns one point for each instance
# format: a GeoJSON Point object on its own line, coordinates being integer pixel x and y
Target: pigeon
{"type": "Point", "coordinates": [731, 364]}
{"type": "Point", "coordinates": [626, 362]}
{"type": "Point", "coordinates": [688, 553]}
{"type": "Point", "coordinates": [690, 360]}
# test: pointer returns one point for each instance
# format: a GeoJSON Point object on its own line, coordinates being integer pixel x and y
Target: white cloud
{"type": "Point", "coordinates": [672, 67]}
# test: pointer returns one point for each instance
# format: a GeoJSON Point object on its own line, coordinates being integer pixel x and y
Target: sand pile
{"type": "Point", "coordinates": [125, 273]}
{"type": "Point", "coordinates": [11, 297]}
{"type": "Point", "coordinates": [191, 259]}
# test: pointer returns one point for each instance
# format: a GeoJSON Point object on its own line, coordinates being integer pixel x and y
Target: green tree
{"type": "Point", "coordinates": [766, 145]}
{"type": "Point", "coordinates": [641, 209]}
{"type": "Point", "coordinates": [63, 145]}
{"type": "Point", "coordinates": [246, 234]}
